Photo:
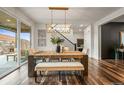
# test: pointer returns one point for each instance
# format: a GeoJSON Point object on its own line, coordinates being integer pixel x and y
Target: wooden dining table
{"type": "Point", "coordinates": [51, 54]}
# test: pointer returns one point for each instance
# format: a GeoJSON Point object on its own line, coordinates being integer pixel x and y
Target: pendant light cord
{"type": "Point", "coordinates": [51, 18]}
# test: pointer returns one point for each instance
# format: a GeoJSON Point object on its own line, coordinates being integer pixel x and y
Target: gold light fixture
{"type": "Point", "coordinates": [8, 20]}
{"type": "Point", "coordinates": [58, 8]}
{"type": "Point", "coordinates": [52, 26]}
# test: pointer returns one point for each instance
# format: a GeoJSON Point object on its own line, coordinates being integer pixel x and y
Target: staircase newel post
{"type": "Point", "coordinates": [75, 46]}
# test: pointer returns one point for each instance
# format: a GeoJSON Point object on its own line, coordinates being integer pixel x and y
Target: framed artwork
{"type": "Point", "coordinates": [41, 38]}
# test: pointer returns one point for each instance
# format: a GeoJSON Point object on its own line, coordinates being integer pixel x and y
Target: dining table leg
{"type": "Point", "coordinates": [31, 66]}
{"type": "Point", "coordinates": [84, 61]}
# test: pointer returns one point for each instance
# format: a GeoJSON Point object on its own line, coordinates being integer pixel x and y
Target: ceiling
{"type": "Point", "coordinates": [8, 22]}
{"type": "Point", "coordinates": [82, 15]}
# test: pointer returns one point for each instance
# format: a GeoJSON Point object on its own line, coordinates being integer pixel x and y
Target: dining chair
{"type": "Point", "coordinates": [66, 49]}
{"type": "Point", "coordinates": [85, 51]}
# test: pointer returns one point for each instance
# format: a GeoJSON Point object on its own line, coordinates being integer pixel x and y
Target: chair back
{"type": "Point", "coordinates": [85, 51]}
{"type": "Point", "coordinates": [31, 51]}
{"type": "Point", "coordinates": [66, 49]}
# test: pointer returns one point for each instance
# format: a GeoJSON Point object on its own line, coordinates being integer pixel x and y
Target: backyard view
{"type": "Point", "coordinates": [8, 54]}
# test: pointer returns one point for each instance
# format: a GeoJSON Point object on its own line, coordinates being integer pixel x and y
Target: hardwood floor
{"type": "Point", "coordinates": [101, 72]}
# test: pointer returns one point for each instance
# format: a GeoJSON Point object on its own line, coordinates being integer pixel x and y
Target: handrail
{"type": "Point", "coordinates": [66, 38]}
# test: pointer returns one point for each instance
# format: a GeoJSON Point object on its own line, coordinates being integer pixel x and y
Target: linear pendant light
{"type": "Point", "coordinates": [57, 8]}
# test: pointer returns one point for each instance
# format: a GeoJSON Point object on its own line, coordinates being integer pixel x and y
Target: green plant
{"type": "Point", "coordinates": [1, 43]}
{"type": "Point", "coordinates": [26, 52]}
{"type": "Point", "coordinates": [56, 40]}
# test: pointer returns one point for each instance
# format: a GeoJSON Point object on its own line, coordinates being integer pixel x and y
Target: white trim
{"type": "Point", "coordinates": [8, 12]}
{"type": "Point", "coordinates": [32, 37]}
{"type": "Point", "coordinates": [18, 42]}
{"type": "Point", "coordinates": [111, 16]}
{"type": "Point", "coordinates": [99, 40]}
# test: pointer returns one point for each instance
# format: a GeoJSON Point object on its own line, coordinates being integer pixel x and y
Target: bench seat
{"type": "Point", "coordinates": [59, 66]}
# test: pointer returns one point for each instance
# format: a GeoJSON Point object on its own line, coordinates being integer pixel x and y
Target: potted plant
{"type": "Point", "coordinates": [57, 41]}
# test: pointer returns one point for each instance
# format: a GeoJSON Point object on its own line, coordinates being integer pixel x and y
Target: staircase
{"type": "Point", "coordinates": [67, 42]}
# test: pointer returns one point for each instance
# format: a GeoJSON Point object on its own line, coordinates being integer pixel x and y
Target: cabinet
{"type": "Point", "coordinates": [80, 44]}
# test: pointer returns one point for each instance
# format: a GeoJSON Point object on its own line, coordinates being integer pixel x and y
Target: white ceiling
{"type": "Point", "coordinates": [82, 15]}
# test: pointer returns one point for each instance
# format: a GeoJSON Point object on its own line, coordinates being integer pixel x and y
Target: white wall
{"type": "Point", "coordinates": [77, 35]}
{"type": "Point", "coordinates": [49, 46]}
{"type": "Point", "coordinates": [87, 40]}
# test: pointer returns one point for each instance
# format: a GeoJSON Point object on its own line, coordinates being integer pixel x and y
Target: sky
{"type": "Point", "coordinates": [25, 36]}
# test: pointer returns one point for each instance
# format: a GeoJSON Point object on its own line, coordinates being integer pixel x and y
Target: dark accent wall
{"type": "Point", "coordinates": [110, 38]}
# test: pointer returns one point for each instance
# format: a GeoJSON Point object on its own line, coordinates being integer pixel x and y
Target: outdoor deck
{"type": "Point", "coordinates": [7, 66]}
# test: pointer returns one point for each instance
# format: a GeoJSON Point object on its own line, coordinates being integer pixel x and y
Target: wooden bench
{"type": "Point", "coordinates": [58, 66]}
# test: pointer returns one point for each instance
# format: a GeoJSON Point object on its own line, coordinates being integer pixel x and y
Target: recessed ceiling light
{"type": "Point", "coordinates": [8, 20]}
{"type": "Point", "coordinates": [81, 25]}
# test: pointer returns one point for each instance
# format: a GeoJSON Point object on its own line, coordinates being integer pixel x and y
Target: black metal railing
{"type": "Point", "coordinates": [74, 44]}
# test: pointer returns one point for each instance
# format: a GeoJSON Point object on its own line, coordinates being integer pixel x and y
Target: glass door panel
{"type": "Point", "coordinates": [25, 41]}
{"type": "Point", "coordinates": [8, 34]}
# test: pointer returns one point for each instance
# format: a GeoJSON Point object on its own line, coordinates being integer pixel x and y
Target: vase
{"type": "Point", "coordinates": [58, 49]}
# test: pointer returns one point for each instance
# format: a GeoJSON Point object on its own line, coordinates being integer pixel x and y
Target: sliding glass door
{"type": "Point", "coordinates": [14, 43]}
{"type": "Point", "coordinates": [25, 41]}
{"type": "Point", "coordinates": [8, 44]}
